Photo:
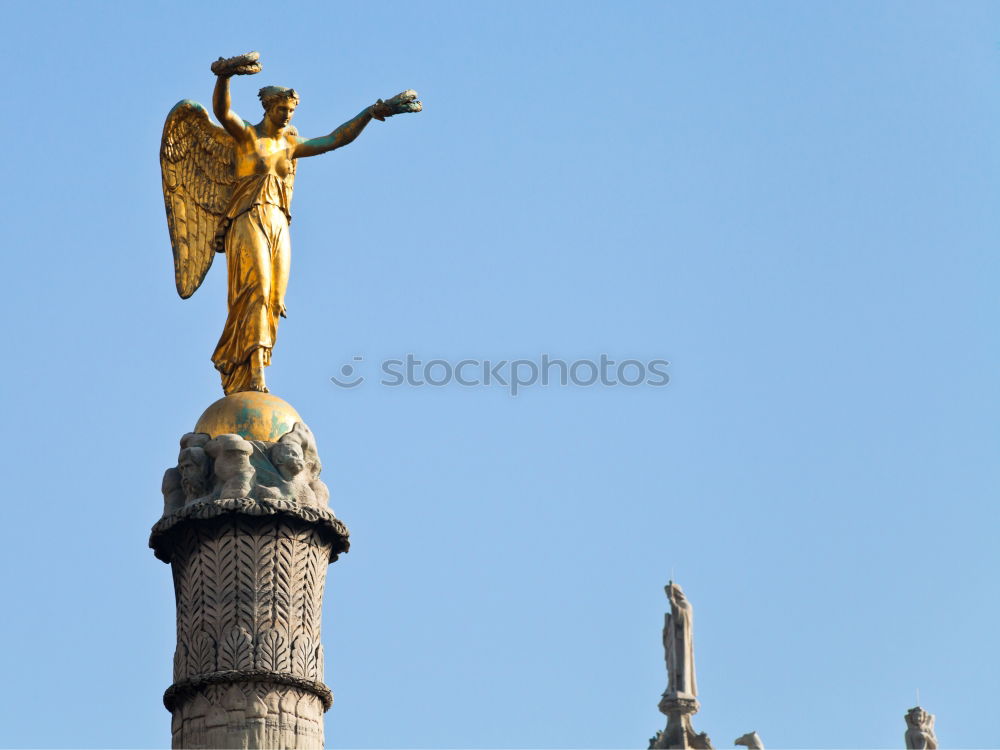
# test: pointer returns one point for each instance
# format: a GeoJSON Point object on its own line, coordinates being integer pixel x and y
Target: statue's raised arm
{"type": "Point", "coordinates": [229, 189]}
{"type": "Point", "coordinates": [224, 69]}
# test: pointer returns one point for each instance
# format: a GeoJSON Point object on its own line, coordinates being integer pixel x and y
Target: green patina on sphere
{"type": "Point", "coordinates": [251, 415]}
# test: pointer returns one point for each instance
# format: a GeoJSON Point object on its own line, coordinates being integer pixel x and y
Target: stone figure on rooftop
{"type": "Point", "coordinates": [920, 730]}
{"type": "Point", "coordinates": [678, 644]}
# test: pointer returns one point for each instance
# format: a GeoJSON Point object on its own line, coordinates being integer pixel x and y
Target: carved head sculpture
{"type": "Point", "coordinates": [192, 463]}
{"type": "Point", "coordinates": [675, 594]}
{"type": "Point", "coordinates": [194, 440]}
{"type": "Point", "coordinates": [917, 718]}
{"type": "Point", "coordinates": [279, 104]}
{"type": "Point", "coordinates": [231, 454]}
{"type": "Point", "coordinates": [288, 459]}
{"type": "Point", "coordinates": [302, 436]}
{"type": "Point", "coordinates": [173, 495]}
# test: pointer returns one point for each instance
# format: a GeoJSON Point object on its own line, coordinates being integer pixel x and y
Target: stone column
{"type": "Point", "coordinates": [248, 534]}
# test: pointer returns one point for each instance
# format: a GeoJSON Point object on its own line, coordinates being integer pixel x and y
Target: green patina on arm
{"type": "Point", "coordinates": [339, 137]}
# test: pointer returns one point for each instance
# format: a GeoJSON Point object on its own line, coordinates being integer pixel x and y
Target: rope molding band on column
{"type": "Point", "coordinates": [180, 692]}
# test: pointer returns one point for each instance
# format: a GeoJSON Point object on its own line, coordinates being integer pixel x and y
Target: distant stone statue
{"type": "Point", "coordinates": [678, 644]}
{"type": "Point", "coordinates": [679, 701]}
{"type": "Point", "coordinates": [920, 730]}
{"type": "Point", "coordinates": [750, 740]}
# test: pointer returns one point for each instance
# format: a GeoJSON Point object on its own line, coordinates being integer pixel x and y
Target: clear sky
{"type": "Point", "coordinates": [795, 203]}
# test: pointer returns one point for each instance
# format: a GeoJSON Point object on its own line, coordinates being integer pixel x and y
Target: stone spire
{"type": "Point", "coordinates": [679, 702]}
{"type": "Point", "coordinates": [248, 533]}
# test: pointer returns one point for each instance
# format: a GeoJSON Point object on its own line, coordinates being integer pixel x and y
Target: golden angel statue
{"type": "Point", "coordinates": [229, 190]}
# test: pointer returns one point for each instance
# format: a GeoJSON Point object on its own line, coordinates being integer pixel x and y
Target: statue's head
{"type": "Point", "coordinates": [279, 104]}
{"type": "Point", "coordinates": [917, 718]}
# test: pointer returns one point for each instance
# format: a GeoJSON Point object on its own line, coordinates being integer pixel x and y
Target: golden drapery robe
{"type": "Point", "coordinates": [254, 235]}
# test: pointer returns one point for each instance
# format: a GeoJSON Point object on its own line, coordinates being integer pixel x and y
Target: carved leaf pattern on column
{"type": "Point", "coordinates": [310, 574]}
{"type": "Point", "coordinates": [265, 546]}
{"type": "Point", "coordinates": [236, 651]}
{"type": "Point", "coordinates": [249, 597]}
{"type": "Point", "coordinates": [201, 656]}
{"type": "Point", "coordinates": [304, 656]}
{"type": "Point", "coordinates": [180, 660]}
{"type": "Point", "coordinates": [300, 586]}
{"type": "Point", "coordinates": [272, 651]}
{"type": "Point", "coordinates": [282, 577]}
{"type": "Point", "coordinates": [246, 542]}
{"type": "Point", "coordinates": [218, 577]}
{"type": "Point", "coordinates": [321, 558]}
{"type": "Point", "coordinates": [186, 574]}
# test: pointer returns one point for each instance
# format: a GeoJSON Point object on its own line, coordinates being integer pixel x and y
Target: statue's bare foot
{"type": "Point", "coordinates": [257, 380]}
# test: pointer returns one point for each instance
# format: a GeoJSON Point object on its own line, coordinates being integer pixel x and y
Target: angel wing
{"type": "Point", "coordinates": [197, 159]}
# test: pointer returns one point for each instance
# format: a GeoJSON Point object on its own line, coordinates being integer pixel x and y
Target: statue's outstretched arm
{"type": "Point", "coordinates": [339, 137]}
{"type": "Point", "coordinates": [400, 103]}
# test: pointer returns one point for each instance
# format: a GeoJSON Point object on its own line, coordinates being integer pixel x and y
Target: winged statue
{"type": "Point", "coordinates": [228, 190]}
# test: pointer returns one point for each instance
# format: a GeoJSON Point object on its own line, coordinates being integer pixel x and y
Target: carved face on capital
{"type": "Point", "coordinates": [288, 459]}
{"type": "Point", "coordinates": [193, 467]}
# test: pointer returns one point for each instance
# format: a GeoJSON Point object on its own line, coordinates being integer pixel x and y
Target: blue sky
{"type": "Point", "coordinates": [793, 203]}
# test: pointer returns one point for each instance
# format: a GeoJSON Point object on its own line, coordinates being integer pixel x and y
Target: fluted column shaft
{"type": "Point", "coordinates": [248, 667]}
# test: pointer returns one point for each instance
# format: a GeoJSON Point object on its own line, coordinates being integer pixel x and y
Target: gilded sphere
{"type": "Point", "coordinates": [251, 415]}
